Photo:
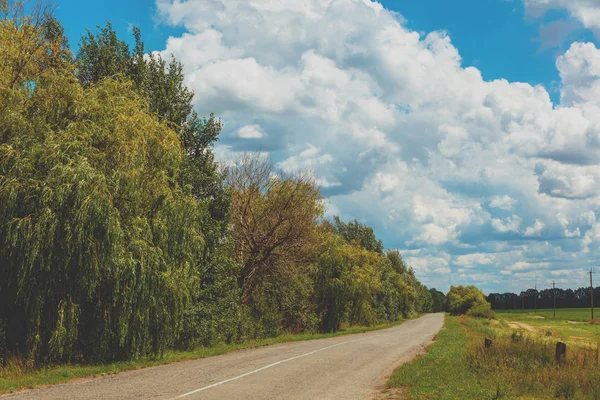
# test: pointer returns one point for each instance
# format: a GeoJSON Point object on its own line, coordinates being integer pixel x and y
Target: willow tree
{"type": "Point", "coordinates": [102, 54]}
{"type": "Point", "coordinates": [99, 243]}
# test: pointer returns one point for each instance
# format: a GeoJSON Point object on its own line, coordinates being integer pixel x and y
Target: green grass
{"type": "Point", "coordinates": [571, 325]}
{"type": "Point", "coordinates": [517, 366]}
{"type": "Point", "coordinates": [16, 377]}
{"type": "Point", "coordinates": [441, 372]}
{"type": "Point", "coordinates": [567, 314]}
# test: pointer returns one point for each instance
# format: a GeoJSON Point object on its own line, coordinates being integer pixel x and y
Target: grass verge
{"type": "Point", "coordinates": [14, 377]}
{"type": "Point", "coordinates": [440, 373]}
{"type": "Point", "coordinates": [518, 365]}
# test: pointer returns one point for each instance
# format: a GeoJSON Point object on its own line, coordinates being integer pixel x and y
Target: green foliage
{"type": "Point", "coordinates": [216, 315]}
{"type": "Point", "coordinates": [463, 299]}
{"type": "Point", "coordinates": [397, 262]}
{"type": "Point", "coordinates": [357, 233]}
{"type": "Point", "coordinates": [438, 301]}
{"type": "Point", "coordinates": [481, 310]}
{"type": "Point", "coordinates": [358, 286]}
{"type": "Point", "coordinates": [104, 55]}
{"type": "Point", "coordinates": [120, 238]}
{"type": "Point", "coordinates": [98, 242]}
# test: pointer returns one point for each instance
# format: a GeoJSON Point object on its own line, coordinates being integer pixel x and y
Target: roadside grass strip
{"type": "Point", "coordinates": [520, 363]}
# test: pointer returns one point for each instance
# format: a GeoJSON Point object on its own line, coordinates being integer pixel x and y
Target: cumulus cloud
{"type": "Point", "coordinates": [250, 132]}
{"type": "Point", "coordinates": [586, 11]}
{"type": "Point", "coordinates": [510, 224]}
{"type": "Point", "coordinates": [535, 229]}
{"type": "Point", "coordinates": [474, 259]}
{"type": "Point", "coordinates": [504, 202]}
{"type": "Point", "coordinates": [454, 170]}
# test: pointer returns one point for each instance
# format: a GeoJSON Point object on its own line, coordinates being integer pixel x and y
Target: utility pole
{"type": "Point", "coordinates": [554, 297]}
{"type": "Point", "coordinates": [535, 300]}
{"type": "Point", "coordinates": [522, 302]}
{"type": "Point", "coordinates": [592, 291]}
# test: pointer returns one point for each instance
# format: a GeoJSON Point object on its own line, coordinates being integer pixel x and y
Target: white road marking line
{"type": "Point", "coordinates": [267, 366]}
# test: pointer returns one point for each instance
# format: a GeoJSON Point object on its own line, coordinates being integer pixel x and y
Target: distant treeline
{"type": "Point", "coordinates": [122, 237]}
{"type": "Point", "coordinates": [530, 298]}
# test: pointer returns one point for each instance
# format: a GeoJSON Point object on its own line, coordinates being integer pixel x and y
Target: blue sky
{"type": "Point", "coordinates": [467, 133]}
{"type": "Point", "coordinates": [77, 16]}
{"type": "Point", "coordinates": [493, 35]}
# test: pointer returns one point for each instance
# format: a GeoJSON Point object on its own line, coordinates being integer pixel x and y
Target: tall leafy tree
{"type": "Point", "coordinates": [358, 233]}
{"type": "Point", "coordinates": [98, 241]}
{"type": "Point", "coordinates": [439, 300]}
{"type": "Point", "coordinates": [274, 218]}
{"type": "Point", "coordinates": [102, 55]}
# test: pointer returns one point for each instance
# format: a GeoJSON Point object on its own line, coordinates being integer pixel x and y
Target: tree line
{"type": "Point", "coordinates": [121, 236]}
{"type": "Point", "coordinates": [531, 298]}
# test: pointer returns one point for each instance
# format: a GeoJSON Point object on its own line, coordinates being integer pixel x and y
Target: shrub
{"type": "Point", "coordinates": [482, 310]}
{"type": "Point", "coordinates": [462, 299]}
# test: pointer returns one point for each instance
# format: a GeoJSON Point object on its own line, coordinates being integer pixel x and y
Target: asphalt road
{"type": "Point", "coordinates": [347, 367]}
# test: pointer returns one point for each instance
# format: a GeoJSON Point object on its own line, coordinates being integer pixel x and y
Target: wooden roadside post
{"type": "Point", "coordinates": [561, 353]}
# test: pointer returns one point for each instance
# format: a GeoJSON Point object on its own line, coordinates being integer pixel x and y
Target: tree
{"type": "Point", "coordinates": [103, 55]}
{"type": "Point", "coordinates": [355, 232]}
{"type": "Point", "coordinates": [348, 285]}
{"type": "Point", "coordinates": [274, 219]}
{"type": "Point", "coordinates": [438, 299]}
{"type": "Point", "coordinates": [98, 242]}
{"type": "Point", "coordinates": [397, 261]}
{"type": "Point", "coordinates": [468, 300]}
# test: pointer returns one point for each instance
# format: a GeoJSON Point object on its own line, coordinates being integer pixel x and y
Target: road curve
{"type": "Point", "coordinates": [346, 367]}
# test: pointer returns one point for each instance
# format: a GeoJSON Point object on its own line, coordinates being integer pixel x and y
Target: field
{"type": "Point", "coordinates": [568, 314]}
{"type": "Point", "coordinates": [571, 325]}
{"type": "Point", "coordinates": [520, 364]}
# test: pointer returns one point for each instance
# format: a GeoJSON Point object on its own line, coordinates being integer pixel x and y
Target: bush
{"type": "Point", "coordinates": [482, 310]}
{"type": "Point", "coordinates": [463, 299]}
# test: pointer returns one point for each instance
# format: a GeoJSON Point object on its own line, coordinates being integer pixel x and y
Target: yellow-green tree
{"type": "Point", "coordinates": [468, 300]}
{"type": "Point", "coordinates": [99, 244]}
{"type": "Point", "coordinates": [276, 233]}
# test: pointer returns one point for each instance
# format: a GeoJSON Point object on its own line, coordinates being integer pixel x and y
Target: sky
{"type": "Point", "coordinates": [467, 133]}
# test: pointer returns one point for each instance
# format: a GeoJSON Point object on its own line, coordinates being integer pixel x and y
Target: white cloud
{"type": "Point", "coordinates": [428, 264]}
{"type": "Point", "coordinates": [586, 11]}
{"type": "Point", "coordinates": [526, 266]}
{"type": "Point", "coordinates": [535, 229]}
{"type": "Point", "coordinates": [307, 159]}
{"type": "Point", "coordinates": [250, 132]}
{"type": "Point", "coordinates": [471, 260]}
{"type": "Point", "coordinates": [504, 202]}
{"type": "Point", "coordinates": [510, 224]}
{"type": "Point", "coordinates": [398, 133]}
{"type": "Point", "coordinates": [579, 70]}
